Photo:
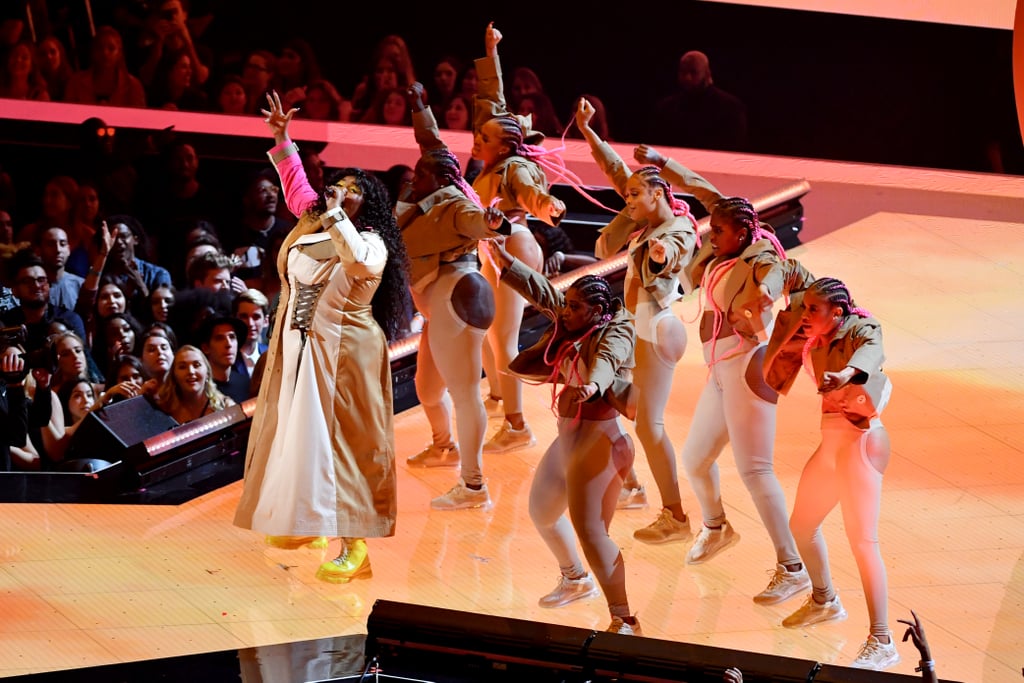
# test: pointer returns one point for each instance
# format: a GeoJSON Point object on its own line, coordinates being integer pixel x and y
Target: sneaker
{"type": "Point", "coordinates": [435, 456]}
{"type": "Point", "coordinates": [507, 439]}
{"type": "Point", "coordinates": [494, 407]}
{"type": "Point", "coordinates": [460, 497]}
{"type": "Point", "coordinates": [783, 585]}
{"type": "Point", "coordinates": [619, 626]}
{"type": "Point", "coordinates": [664, 529]}
{"type": "Point", "coordinates": [874, 654]}
{"type": "Point", "coordinates": [812, 613]}
{"type": "Point", "coordinates": [632, 499]}
{"type": "Point", "coordinates": [569, 590]}
{"type": "Point", "coordinates": [710, 542]}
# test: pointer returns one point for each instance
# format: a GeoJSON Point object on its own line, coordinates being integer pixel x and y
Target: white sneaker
{"type": "Point", "coordinates": [569, 590]}
{"type": "Point", "coordinates": [507, 439]}
{"type": "Point", "coordinates": [812, 613]}
{"type": "Point", "coordinates": [460, 497]}
{"type": "Point", "coordinates": [632, 498]}
{"type": "Point", "coordinates": [619, 626]}
{"type": "Point", "coordinates": [783, 585]}
{"type": "Point", "coordinates": [435, 456]}
{"type": "Point", "coordinates": [710, 542]}
{"type": "Point", "coordinates": [664, 529]}
{"type": "Point", "coordinates": [874, 654]}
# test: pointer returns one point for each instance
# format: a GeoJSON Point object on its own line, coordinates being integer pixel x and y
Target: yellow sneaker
{"type": "Point", "coordinates": [293, 542]}
{"type": "Point", "coordinates": [353, 563]}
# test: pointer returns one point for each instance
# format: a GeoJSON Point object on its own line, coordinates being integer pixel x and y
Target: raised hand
{"type": "Point", "coordinates": [415, 96]}
{"type": "Point", "coordinates": [277, 118]}
{"type": "Point", "coordinates": [584, 112]}
{"type": "Point", "coordinates": [915, 631]}
{"type": "Point", "coordinates": [491, 39]}
{"type": "Point", "coordinates": [646, 154]}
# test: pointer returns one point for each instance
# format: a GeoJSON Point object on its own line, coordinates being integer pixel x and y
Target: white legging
{"type": "Point", "coordinates": [655, 367]}
{"type": "Point", "coordinates": [582, 471]}
{"type": "Point", "coordinates": [503, 335]}
{"type": "Point", "coordinates": [448, 367]}
{"type": "Point", "coordinates": [728, 411]}
{"type": "Point", "coordinates": [846, 469]}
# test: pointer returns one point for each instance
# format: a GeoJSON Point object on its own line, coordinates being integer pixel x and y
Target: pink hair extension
{"type": "Point", "coordinates": [757, 233]}
{"type": "Point", "coordinates": [708, 283]}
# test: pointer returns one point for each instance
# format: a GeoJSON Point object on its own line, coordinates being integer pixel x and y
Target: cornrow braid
{"type": "Point", "coordinates": [595, 290]}
{"type": "Point", "coordinates": [445, 166]}
{"type": "Point", "coordinates": [652, 176]}
{"type": "Point", "coordinates": [837, 294]}
{"type": "Point", "coordinates": [740, 211]}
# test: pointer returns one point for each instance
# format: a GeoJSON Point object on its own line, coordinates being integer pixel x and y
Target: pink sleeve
{"type": "Point", "coordinates": [298, 195]}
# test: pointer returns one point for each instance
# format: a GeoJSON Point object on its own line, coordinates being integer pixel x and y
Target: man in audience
{"type": "Point", "coordinates": [253, 309]}
{"type": "Point", "coordinates": [53, 249]}
{"type": "Point", "coordinates": [220, 336]}
{"type": "Point", "coordinates": [250, 237]}
{"type": "Point", "coordinates": [35, 312]}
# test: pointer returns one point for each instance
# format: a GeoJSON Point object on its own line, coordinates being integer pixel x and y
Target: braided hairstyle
{"type": "Point", "coordinates": [444, 166]}
{"type": "Point", "coordinates": [651, 175]}
{"type": "Point", "coordinates": [392, 303]}
{"type": "Point", "coordinates": [595, 291]}
{"type": "Point", "coordinates": [739, 211]}
{"type": "Point", "coordinates": [837, 294]}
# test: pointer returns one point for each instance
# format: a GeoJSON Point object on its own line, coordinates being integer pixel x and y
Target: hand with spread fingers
{"type": "Point", "coordinates": [277, 118]}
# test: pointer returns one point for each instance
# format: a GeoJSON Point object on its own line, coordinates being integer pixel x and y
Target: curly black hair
{"type": "Point", "coordinates": [392, 303]}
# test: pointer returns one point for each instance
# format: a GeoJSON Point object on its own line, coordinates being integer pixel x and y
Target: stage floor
{"type": "Point", "coordinates": [83, 585]}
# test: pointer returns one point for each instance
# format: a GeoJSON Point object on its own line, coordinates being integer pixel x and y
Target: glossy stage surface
{"type": "Point", "coordinates": [85, 585]}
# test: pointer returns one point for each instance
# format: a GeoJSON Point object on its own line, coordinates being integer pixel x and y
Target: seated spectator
{"type": "Point", "coordinates": [52, 248]}
{"type": "Point", "coordinates": [525, 81]}
{"type": "Point", "coordinates": [161, 301]}
{"type": "Point", "coordinates": [54, 66]}
{"type": "Point", "coordinates": [174, 87]}
{"type": "Point", "coordinates": [117, 334]}
{"type": "Point", "coordinates": [75, 399]}
{"type": "Point", "coordinates": [253, 309]}
{"type": "Point", "coordinates": [213, 272]}
{"type": "Point", "coordinates": [106, 80]}
{"type": "Point", "coordinates": [542, 114]}
{"type": "Point", "coordinates": [34, 310]}
{"type": "Point", "coordinates": [20, 78]}
{"type": "Point", "coordinates": [126, 379]}
{"type": "Point", "coordinates": [458, 113]}
{"type": "Point", "coordinates": [257, 226]}
{"type": "Point", "coordinates": [188, 392]}
{"type": "Point", "coordinates": [599, 121]}
{"type": "Point", "coordinates": [157, 356]}
{"type": "Point", "coordinates": [699, 114]}
{"type": "Point", "coordinates": [257, 71]}
{"type": "Point", "coordinates": [384, 75]}
{"type": "Point", "coordinates": [447, 70]}
{"type": "Point", "coordinates": [219, 340]}
{"type": "Point", "coordinates": [69, 359]}
{"type": "Point", "coordinates": [322, 102]}
{"type": "Point", "coordinates": [297, 67]}
{"type": "Point", "coordinates": [231, 97]}
{"type": "Point", "coordinates": [388, 108]}
{"type": "Point", "coordinates": [13, 411]}
{"type": "Point", "coordinates": [166, 31]}
{"type": "Point", "coordinates": [57, 209]}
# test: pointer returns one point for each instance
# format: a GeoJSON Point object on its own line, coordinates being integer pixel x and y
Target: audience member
{"type": "Point", "coordinates": [257, 71]}
{"type": "Point", "coordinates": [699, 113]}
{"type": "Point", "coordinates": [458, 113]}
{"type": "Point", "coordinates": [157, 356]}
{"type": "Point", "coordinates": [69, 360]}
{"type": "Point", "coordinates": [21, 79]}
{"type": "Point", "coordinates": [117, 334]}
{"type": "Point", "coordinates": [525, 81]}
{"type": "Point", "coordinates": [322, 102]}
{"type": "Point", "coordinates": [297, 67]}
{"type": "Point", "coordinates": [388, 108]}
{"type": "Point", "coordinates": [231, 96]}
{"type": "Point", "coordinates": [253, 309]}
{"type": "Point", "coordinates": [257, 226]}
{"type": "Point", "coordinates": [220, 337]}
{"type": "Point", "coordinates": [188, 391]}
{"type": "Point", "coordinates": [174, 86]}
{"type": "Point", "coordinates": [127, 377]}
{"type": "Point", "coordinates": [13, 407]}
{"type": "Point", "coordinates": [599, 122]}
{"type": "Point", "coordinates": [446, 81]}
{"type": "Point", "coordinates": [136, 277]}
{"type": "Point", "coordinates": [52, 248]}
{"type": "Point", "coordinates": [161, 301]}
{"type": "Point", "coordinates": [385, 75]}
{"type": "Point", "coordinates": [54, 66]}
{"type": "Point", "coordinates": [56, 209]}
{"type": "Point", "coordinates": [212, 271]}
{"type": "Point", "coordinates": [166, 30]}
{"type": "Point", "coordinates": [34, 311]}
{"type": "Point", "coordinates": [541, 111]}
{"type": "Point", "coordinates": [106, 80]}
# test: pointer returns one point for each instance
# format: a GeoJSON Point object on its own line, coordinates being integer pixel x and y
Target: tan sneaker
{"type": "Point", "coordinates": [507, 439]}
{"type": "Point", "coordinates": [783, 585]}
{"type": "Point", "coordinates": [812, 613]}
{"type": "Point", "coordinates": [710, 542]}
{"type": "Point", "coordinates": [435, 456]}
{"type": "Point", "coordinates": [569, 590]}
{"type": "Point", "coordinates": [620, 626]}
{"type": "Point", "coordinates": [665, 529]}
{"type": "Point", "coordinates": [461, 497]}
{"type": "Point", "coordinates": [632, 498]}
{"type": "Point", "coordinates": [876, 655]}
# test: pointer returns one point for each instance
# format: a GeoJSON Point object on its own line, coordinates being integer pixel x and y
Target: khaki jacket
{"type": "Point", "coordinates": [857, 343]}
{"type": "Point", "coordinates": [519, 183]}
{"type": "Point", "coordinates": [678, 234]}
{"type": "Point", "coordinates": [443, 226]}
{"type": "Point", "coordinates": [607, 353]}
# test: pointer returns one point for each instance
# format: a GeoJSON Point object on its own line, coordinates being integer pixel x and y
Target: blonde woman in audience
{"type": "Point", "coordinates": [188, 391]}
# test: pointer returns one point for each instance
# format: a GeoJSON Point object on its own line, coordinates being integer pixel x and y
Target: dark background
{"type": "Point", "coordinates": [816, 85]}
